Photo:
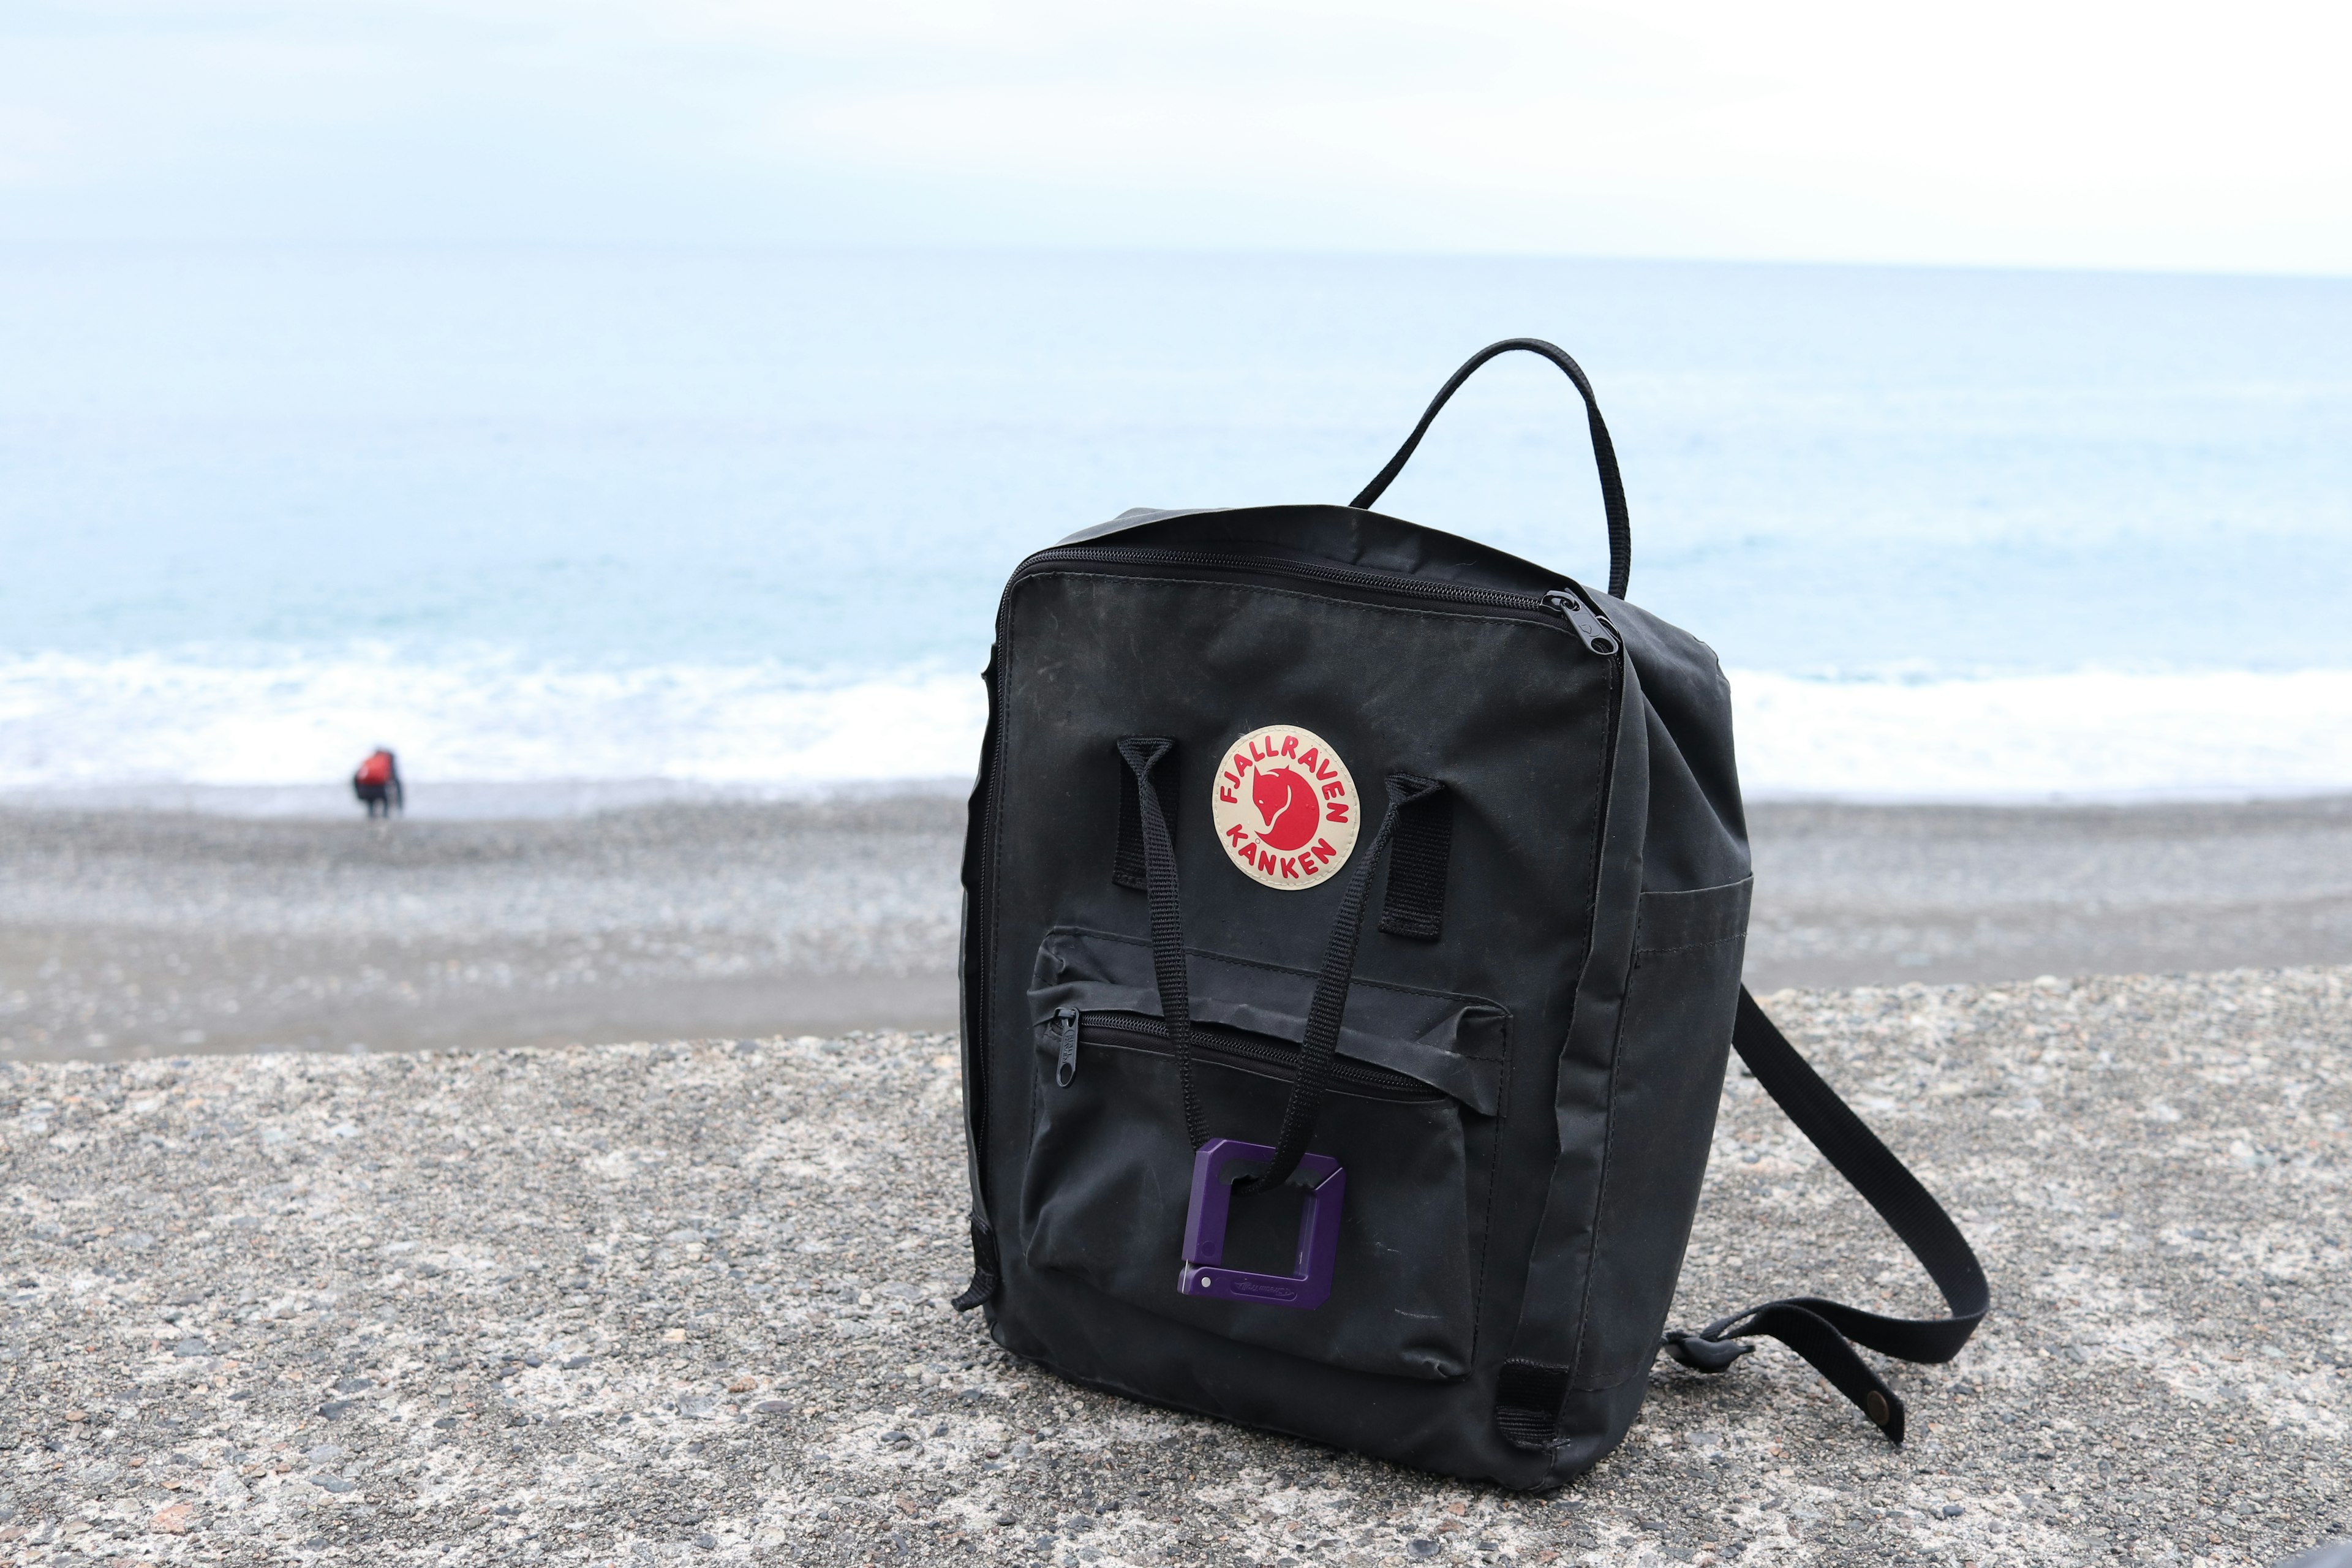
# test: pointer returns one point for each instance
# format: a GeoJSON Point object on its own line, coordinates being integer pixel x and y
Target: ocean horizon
{"type": "Point", "coordinates": [576, 528]}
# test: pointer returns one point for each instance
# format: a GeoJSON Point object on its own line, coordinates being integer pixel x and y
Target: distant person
{"type": "Point", "coordinates": [377, 784]}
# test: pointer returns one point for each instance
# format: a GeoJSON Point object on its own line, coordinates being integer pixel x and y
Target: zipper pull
{"type": "Point", "coordinates": [1066, 1020]}
{"type": "Point", "coordinates": [1598, 635]}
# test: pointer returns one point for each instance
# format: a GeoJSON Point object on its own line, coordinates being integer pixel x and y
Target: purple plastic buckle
{"type": "Point", "coordinates": [1205, 1230]}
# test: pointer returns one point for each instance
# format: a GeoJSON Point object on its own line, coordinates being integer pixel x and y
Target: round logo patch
{"type": "Point", "coordinates": [1285, 807]}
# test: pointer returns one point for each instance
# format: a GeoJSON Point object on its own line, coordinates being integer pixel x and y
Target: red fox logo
{"type": "Point", "coordinates": [1284, 808]}
{"type": "Point", "coordinates": [1287, 802]}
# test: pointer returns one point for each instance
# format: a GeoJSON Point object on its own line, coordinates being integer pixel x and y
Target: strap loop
{"type": "Point", "coordinates": [986, 1274]}
{"type": "Point", "coordinates": [1414, 902]}
{"type": "Point", "coordinates": [1604, 451]}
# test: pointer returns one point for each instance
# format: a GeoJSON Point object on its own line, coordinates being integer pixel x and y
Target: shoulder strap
{"type": "Point", "coordinates": [1824, 1331]}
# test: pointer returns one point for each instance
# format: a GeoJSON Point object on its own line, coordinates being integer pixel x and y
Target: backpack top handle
{"type": "Point", "coordinates": [1604, 453]}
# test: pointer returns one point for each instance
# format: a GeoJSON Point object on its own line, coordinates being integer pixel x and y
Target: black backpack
{"type": "Point", "coordinates": [1352, 937]}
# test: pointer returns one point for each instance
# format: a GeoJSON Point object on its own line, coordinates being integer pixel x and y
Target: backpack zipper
{"type": "Point", "coordinates": [1590, 626]}
{"type": "Point", "coordinates": [1588, 623]}
{"type": "Point", "coordinates": [1215, 1042]}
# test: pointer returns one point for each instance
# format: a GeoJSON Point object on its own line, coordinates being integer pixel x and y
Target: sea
{"type": "Point", "coordinates": [575, 528]}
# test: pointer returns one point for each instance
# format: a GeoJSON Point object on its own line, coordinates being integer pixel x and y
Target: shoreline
{"type": "Point", "coordinates": [460, 800]}
{"type": "Point", "coordinates": [539, 800]}
{"type": "Point", "coordinates": [129, 934]}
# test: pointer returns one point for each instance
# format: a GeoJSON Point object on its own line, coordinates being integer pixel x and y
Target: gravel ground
{"type": "Point", "coordinates": [124, 934]}
{"type": "Point", "coordinates": [686, 1303]}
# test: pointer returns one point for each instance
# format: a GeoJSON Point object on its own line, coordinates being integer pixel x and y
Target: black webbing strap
{"type": "Point", "coordinates": [1604, 451]}
{"type": "Point", "coordinates": [1170, 970]}
{"type": "Point", "coordinates": [1824, 1331]}
{"type": "Point", "coordinates": [985, 1276]}
{"type": "Point", "coordinates": [1305, 1105]}
{"type": "Point", "coordinates": [1414, 902]}
{"type": "Point", "coordinates": [1127, 862]}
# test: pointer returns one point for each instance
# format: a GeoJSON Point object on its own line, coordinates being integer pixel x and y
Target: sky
{"type": "Point", "coordinates": [2005, 132]}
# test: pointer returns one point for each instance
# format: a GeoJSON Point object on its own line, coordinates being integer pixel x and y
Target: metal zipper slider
{"type": "Point", "coordinates": [1598, 635]}
{"type": "Point", "coordinates": [1066, 1020]}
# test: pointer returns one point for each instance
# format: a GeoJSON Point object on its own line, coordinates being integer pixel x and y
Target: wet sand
{"type": "Point", "coordinates": [124, 934]}
{"type": "Point", "coordinates": [1849, 895]}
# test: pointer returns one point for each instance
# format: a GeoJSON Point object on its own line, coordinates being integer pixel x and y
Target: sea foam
{"type": "Point", "coordinates": [103, 724]}
{"type": "Point", "coordinates": [2084, 735]}
{"type": "Point", "coordinates": [244, 735]}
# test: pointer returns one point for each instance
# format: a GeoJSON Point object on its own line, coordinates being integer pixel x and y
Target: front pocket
{"type": "Point", "coordinates": [1110, 1165]}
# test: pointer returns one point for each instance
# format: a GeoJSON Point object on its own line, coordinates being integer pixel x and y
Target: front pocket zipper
{"type": "Point", "coordinates": [1227, 1047]}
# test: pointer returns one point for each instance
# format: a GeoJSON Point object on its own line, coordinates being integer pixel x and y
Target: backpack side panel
{"type": "Point", "coordinates": [1697, 834]}
{"type": "Point", "coordinates": [1668, 1011]}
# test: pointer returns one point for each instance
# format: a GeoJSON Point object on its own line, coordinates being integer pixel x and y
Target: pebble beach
{"type": "Point", "coordinates": [687, 1303]}
{"type": "Point", "coordinates": [126, 934]}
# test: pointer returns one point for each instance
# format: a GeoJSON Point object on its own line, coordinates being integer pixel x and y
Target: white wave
{"type": "Point", "coordinates": [489, 733]}
{"type": "Point", "coordinates": [2084, 735]}
{"type": "Point", "coordinates": [106, 724]}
